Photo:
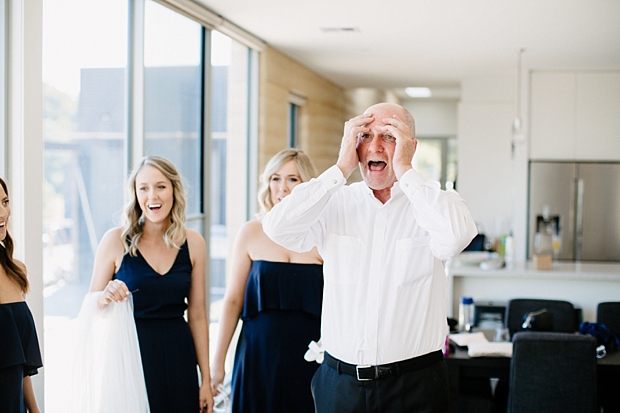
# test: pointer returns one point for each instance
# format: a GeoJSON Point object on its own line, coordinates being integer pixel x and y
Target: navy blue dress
{"type": "Point", "coordinates": [20, 355]}
{"type": "Point", "coordinates": [281, 315]}
{"type": "Point", "coordinates": [166, 343]}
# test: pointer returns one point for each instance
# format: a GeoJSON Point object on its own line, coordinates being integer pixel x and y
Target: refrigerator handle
{"type": "Point", "coordinates": [578, 218]}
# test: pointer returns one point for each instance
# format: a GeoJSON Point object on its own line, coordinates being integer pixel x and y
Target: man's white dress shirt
{"type": "Point", "coordinates": [386, 294]}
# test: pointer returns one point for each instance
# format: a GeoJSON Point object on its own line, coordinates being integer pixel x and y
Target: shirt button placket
{"type": "Point", "coordinates": [374, 285]}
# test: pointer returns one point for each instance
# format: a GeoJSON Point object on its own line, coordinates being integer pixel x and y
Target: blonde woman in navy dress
{"type": "Point", "coordinates": [20, 356]}
{"type": "Point", "coordinates": [154, 257]}
{"type": "Point", "coordinates": [278, 295]}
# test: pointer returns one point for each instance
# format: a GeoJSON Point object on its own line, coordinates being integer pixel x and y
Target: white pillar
{"type": "Point", "coordinates": [25, 150]}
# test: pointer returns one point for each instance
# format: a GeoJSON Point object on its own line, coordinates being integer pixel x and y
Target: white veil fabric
{"type": "Point", "coordinates": [105, 366]}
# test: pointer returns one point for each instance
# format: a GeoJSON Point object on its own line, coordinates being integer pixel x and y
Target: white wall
{"type": "Point", "coordinates": [434, 118]}
{"type": "Point", "coordinates": [492, 182]}
{"type": "Point", "coordinates": [491, 178]}
{"type": "Point", "coordinates": [25, 151]}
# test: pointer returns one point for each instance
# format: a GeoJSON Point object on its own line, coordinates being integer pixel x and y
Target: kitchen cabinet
{"type": "Point", "coordinates": [575, 115]}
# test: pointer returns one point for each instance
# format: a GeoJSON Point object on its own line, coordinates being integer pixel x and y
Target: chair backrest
{"type": "Point", "coordinates": [608, 313]}
{"type": "Point", "coordinates": [564, 316]}
{"type": "Point", "coordinates": [553, 372]}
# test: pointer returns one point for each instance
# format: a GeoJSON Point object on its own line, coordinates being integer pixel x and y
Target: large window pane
{"type": "Point", "coordinates": [435, 160]}
{"type": "Point", "coordinates": [3, 95]}
{"type": "Point", "coordinates": [85, 121]}
{"type": "Point", "coordinates": [84, 70]}
{"type": "Point", "coordinates": [221, 59]}
{"type": "Point", "coordinates": [173, 95]}
{"type": "Point", "coordinates": [230, 107]}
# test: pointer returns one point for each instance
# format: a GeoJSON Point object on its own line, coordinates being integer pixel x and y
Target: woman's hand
{"type": "Point", "coordinates": [116, 291]}
{"type": "Point", "coordinates": [217, 378]}
{"type": "Point", "coordinates": [206, 398]}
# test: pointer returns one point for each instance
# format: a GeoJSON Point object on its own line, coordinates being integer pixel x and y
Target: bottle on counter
{"type": "Point", "coordinates": [466, 314]}
{"type": "Point", "coordinates": [509, 251]}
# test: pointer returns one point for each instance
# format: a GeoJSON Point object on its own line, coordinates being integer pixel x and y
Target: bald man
{"type": "Point", "coordinates": [384, 242]}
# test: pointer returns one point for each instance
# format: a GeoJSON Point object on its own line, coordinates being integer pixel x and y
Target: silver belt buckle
{"type": "Point", "coordinates": [357, 371]}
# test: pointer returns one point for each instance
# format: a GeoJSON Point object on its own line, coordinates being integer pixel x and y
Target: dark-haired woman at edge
{"type": "Point", "coordinates": [20, 356]}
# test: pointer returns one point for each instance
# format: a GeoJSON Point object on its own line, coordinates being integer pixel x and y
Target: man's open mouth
{"type": "Point", "coordinates": [376, 165]}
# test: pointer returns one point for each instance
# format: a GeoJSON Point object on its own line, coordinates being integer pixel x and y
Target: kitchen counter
{"type": "Point", "coordinates": [584, 284]}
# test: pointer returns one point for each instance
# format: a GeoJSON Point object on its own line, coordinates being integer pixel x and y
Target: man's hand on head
{"type": "Point", "coordinates": [406, 144]}
{"type": "Point", "coordinates": [347, 158]}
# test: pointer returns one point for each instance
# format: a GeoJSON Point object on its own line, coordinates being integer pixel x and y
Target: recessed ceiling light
{"type": "Point", "coordinates": [339, 29]}
{"type": "Point", "coordinates": [418, 92]}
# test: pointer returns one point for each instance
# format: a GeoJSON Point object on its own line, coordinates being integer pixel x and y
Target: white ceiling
{"type": "Point", "coordinates": [436, 43]}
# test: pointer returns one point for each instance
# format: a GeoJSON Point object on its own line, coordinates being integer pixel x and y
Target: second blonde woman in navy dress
{"type": "Point", "coordinates": [278, 294]}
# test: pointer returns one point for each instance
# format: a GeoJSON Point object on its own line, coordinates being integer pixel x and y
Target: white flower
{"type": "Point", "coordinates": [315, 352]}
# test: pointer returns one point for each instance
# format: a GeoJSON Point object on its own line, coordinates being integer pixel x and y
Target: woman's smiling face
{"type": "Point", "coordinates": [5, 212]}
{"type": "Point", "coordinates": [154, 193]}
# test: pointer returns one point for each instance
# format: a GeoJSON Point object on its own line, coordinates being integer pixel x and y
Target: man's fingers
{"type": "Point", "coordinates": [359, 123]}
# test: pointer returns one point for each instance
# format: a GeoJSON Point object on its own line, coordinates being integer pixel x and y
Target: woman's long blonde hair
{"type": "Point", "coordinates": [304, 165]}
{"type": "Point", "coordinates": [14, 271]}
{"type": "Point", "coordinates": [133, 219]}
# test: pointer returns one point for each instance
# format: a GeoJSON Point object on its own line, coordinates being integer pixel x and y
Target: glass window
{"type": "Point", "coordinates": [221, 60]}
{"type": "Point", "coordinates": [293, 125]}
{"type": "Point", "coordinates": [173, 95]}
{"type": "Point", "coordinates": [84, 115]}
{"type": "Point", "coordinates": [3, 95]}
{"type": "Point", "coordinates": [230, 182]}
{"type": "Point", "coordinates": [435, 160]}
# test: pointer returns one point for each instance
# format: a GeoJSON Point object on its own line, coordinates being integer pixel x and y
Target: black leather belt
{"type": "Point", "coordinates": [364, 373]}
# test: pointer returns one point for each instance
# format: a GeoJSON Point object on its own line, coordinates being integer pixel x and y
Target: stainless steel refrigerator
{"type": "Point", "coordinates": [586, 198]}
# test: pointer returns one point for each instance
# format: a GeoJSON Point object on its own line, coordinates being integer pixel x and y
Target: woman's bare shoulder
{"type": "Point", "coordinates": [194, 238]}
{"type": "Point", "coordinates": [10, 290]}
{"type": "Point", "coordinates": [113, 233]}
{"type": "Point", "coordinates": [21, 265]}
{"type": "Point", "coordinates": [253, 226]}
{"type": "Point", "coordinates": [111, 242]}
{"type": "Point", "coordinates": [250, 232]}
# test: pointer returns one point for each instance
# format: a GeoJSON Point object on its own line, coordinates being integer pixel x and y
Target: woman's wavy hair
{"type": "Point", "coordinates": [133, 219]}
{"type": "Point", "coordinates": [304, 165]}
{"type": "Point", "coordinates": [14, 271]}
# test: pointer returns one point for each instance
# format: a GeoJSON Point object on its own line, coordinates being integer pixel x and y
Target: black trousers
{"type": "Point", "coordinates": [421, 391]}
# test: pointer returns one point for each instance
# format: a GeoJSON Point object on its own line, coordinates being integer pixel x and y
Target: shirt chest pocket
{"type": "Point", "coordinates": [342, 259]}
{"type": "Point", "coordinates": [413, 260]}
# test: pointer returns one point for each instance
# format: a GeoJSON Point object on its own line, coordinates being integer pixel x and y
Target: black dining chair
{"type": "Point", "coordinates": [553, 373]}
{"type": "Point", "coordinates": [608, 313]}
{"type": "Point", "coordinates": [562, 316]}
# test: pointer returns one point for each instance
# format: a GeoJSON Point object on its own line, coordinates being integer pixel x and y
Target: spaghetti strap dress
{"type": "Point", "coordinates": [20, 355]}
{"type": "Point", "coordinates": [281, 316]}
{"type": "Point", "coordinates": [166, 343]}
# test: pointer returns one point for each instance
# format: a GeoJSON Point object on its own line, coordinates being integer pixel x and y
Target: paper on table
{"type": "Point", "coordinates": [490, 349]}
{"type": "Point", "coordinates": [465, 339]}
